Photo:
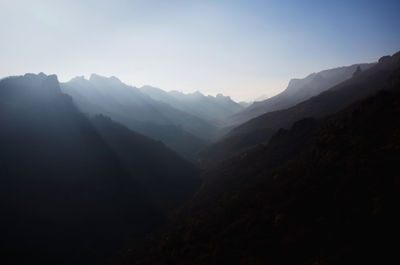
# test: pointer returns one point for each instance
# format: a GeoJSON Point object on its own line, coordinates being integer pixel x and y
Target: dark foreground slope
{"type": "Point", "coordinates": [66, 194]}
{"type": "Point", "coordinates": [260, 129]}
{"type": "Point", "coordinates": [166, 178]}
{"type": "Point", "coordinates": [323, 192]}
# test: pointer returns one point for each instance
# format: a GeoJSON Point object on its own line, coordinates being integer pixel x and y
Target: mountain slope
{"type": "Point", "coordinates": [209, 108]}
{"type": "Point", "coordinates": [66, 193]}
{"type": "Point", "coordinates": [323, 192]}
{"type": "Point", "coordinates": [299, 90]}
{"type": "Point", "coordinates": [260, 129]}
{"type": "Point", "coordinates": [129, 106]}
{"type": "Point", "coordinates": [166, 179]}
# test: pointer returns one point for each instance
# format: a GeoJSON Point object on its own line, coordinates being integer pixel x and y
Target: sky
{"type": "Point", "coordinates": [243, 49]}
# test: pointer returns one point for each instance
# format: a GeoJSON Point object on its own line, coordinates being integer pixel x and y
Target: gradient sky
{"type": "Point", "coordinates": [239, 48]}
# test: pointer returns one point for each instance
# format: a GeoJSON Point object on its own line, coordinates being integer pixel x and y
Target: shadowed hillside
{"type": "Point", "coordinates": [129, 106]}
{"type": "Point", "coordinates": [73, 191]}
{"type": "Point", "coordinates": [275, 142]}
{"type": "Point", "coordinates": [323, 192]}
{"type": "Point", "coordinates": [166, 178]}
{"type": "Point", "coordinates": [260, 129]}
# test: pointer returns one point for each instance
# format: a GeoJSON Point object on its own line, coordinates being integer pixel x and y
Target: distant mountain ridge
{"type": "Point", "coordinates": [323, 191]}
{"type": "Point", "coordinates": [89, 166]}
{"type": "Point", "coordinates": [299, 90]}
{"type": "Point", "coordinates": [129, 106]}
{"type": "Point", "coordinates": [260, 129]}
{"type": "Point", "coordinates": [212, 109]}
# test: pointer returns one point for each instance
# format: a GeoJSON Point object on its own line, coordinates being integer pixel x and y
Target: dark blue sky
{"type": "Point", "coordinates": [240, 48]}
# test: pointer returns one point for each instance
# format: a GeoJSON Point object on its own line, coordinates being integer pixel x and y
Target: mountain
{"type": "Point", "coordinates": [245, 104]}
{"type": "Point", "coordinates": [260, 129]}
{"type": "Point", "coordinates": [72, 189]}
{"type": "Point", "coordinates": [129, 106]}
{"type": "Point", "coordinates": [173, 136]}
{"type": "Point", "coordinates": [299, 90]}
{"type": "Point", "coordinates": [323, 192]}
{"type": "Point", "coordinates": [212, 109]}
{"type": "Point", "coordinates": [166, 178]}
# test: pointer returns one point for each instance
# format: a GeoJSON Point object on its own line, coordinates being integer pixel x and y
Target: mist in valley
{"type": "Point", "coordinates": [199, 132]}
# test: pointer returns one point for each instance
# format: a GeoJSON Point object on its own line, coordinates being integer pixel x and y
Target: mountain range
{"type": "Point", "coordinates": [94, 171]}
{"type": "Point", "coordinates": [299, 90]}
{"type": "Point", "coordinates": [129, 106]}
{"type": "Point", "coordinates": [73, 188]}
{"type": "Point", "coordinates": [212, 109]}
{"type": "Point", "coordinates": [321, 191]}
{"type": "Point", "coordinates": [260, 129]}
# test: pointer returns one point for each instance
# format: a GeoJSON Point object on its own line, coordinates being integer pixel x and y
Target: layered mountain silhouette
{"type": "Point", "coordinates": [89, 167]}
{"type": "Point", "coordinates": [73, 189]}
{"type": "Point", "coordinates": [245, 104]}
{"type": "Point", "coordinates": [324, 191]}
{"type": "Point", "coordinates": [129, 106]}
{"type": "Point", "coordinates": [260, 129]}
{"type": "Point", "coordinates": [166, 178]}
{"type": "Point", "coordinates": [215, 110]}
{"type": "Point", "coordinates": [299, 90]}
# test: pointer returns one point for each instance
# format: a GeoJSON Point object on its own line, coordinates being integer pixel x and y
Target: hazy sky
{"type": "Point", "coordinates": [240, 48]}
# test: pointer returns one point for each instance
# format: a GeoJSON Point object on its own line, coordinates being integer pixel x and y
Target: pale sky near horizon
{"type": "Point", "coordinates": [243, 49]}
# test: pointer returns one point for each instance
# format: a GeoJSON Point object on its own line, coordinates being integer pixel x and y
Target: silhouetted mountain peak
{"type": "Point", "coordinates": [221, 98]}
{"type": "Point", "coordinates": [212, 109]}
{"type": "Point", "coordinates": [197, 94]}
{"type": "Point", "coordinates": [40, 76]}
{"type": "Point", "coordinates": [387, 58]}
{"type": "Point", "coordinates": [396, 57]}
{"type": "Point", "coordinates": [40, 85]}
{"type": "Point", "coordinates": [95, 78]}
{"type": "Point", "coordinates": [79, 78]}
{"type": "Point", "coordinates": [296, 84]}
{"type": "Point", "coordinates": [299, 90]}
{"type": "Point", "coordinates": [51, 81]}
{"type": "Point", "coordinates": [114, 79]}
{"type": "Point", "coordinates": [81, 82]}
{"type": "Point", "coordinates": [384, 59]}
